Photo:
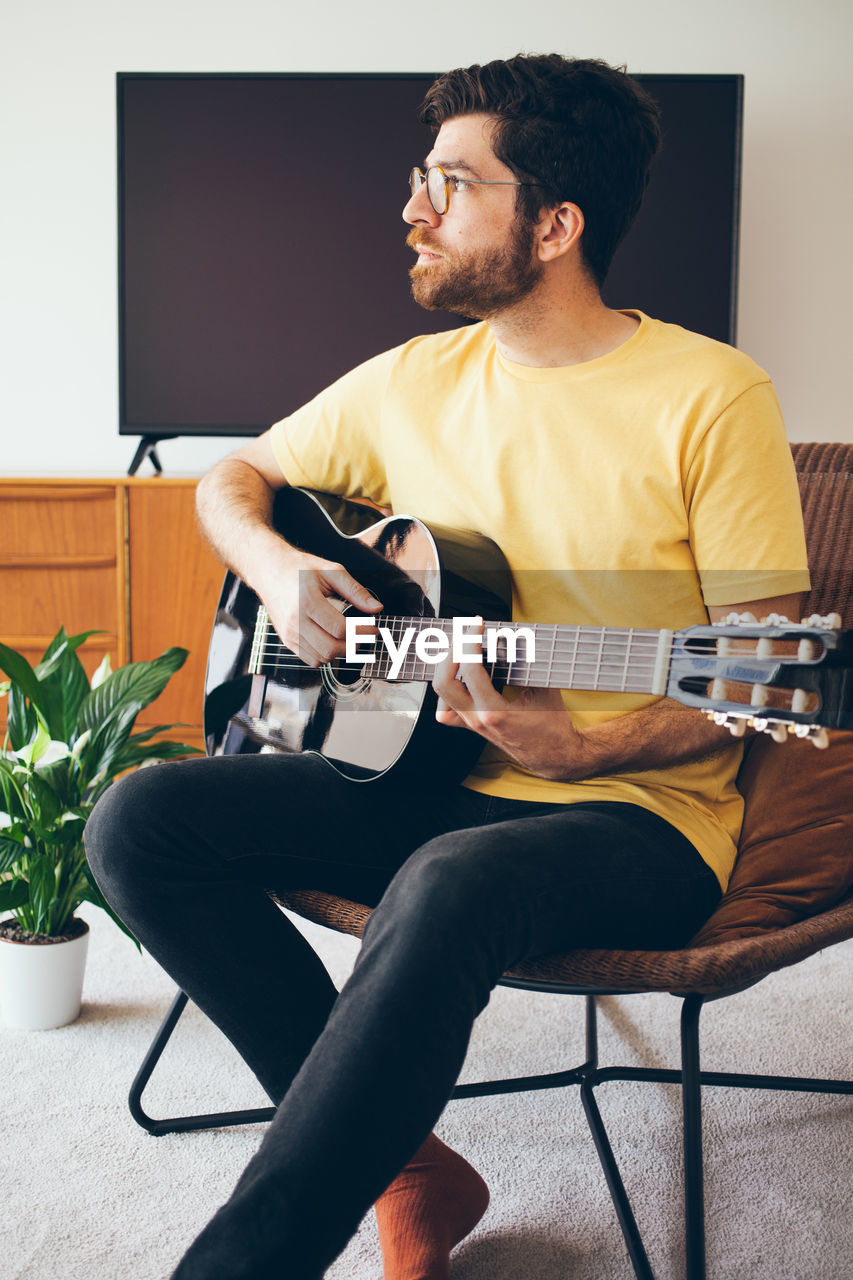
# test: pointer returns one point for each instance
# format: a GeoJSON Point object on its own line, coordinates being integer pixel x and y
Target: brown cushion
{"type": "Point", "coordinates": [795, 856]}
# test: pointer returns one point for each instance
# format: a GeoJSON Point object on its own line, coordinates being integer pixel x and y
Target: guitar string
{"type": "Point", "coordinates": [632, 652]}
{"type": "Point", "coordinates": [574, 669]}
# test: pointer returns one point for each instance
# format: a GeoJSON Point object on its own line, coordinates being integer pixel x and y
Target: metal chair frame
{"type": "Point", "coordinates": [587, 1075]}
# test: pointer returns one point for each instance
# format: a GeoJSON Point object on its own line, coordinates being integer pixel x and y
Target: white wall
{"type": "Point", "coordinates": [58, 393]}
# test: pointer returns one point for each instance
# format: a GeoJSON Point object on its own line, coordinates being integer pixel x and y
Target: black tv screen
{"type": "Point", "coordinates": [261, 247]}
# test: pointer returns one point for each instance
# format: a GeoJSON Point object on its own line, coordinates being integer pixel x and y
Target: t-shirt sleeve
{"type": "Point", "coordinates": [333, 443]}
{"type": "Point", "coordinates": [743, 504]}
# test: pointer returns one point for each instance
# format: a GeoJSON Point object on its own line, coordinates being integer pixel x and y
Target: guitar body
{"type": "Point", "coordinates": [363, 727]}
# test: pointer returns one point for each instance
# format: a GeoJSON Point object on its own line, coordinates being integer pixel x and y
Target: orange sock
{"type": "Point", "coordinates": [428, 1208]}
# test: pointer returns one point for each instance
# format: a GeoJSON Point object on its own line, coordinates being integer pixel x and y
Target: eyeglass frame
{"type": "Point", "coordinates": [448, 178]}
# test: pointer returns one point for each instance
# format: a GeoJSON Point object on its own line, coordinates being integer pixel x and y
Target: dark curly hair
{"type": "Point", "coordinates": [582, 130]}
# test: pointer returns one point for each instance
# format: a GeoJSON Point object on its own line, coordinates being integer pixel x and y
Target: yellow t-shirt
{"type": "Point", "coordinates": [630, 490]}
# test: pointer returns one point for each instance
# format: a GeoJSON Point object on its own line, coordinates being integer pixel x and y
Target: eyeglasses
{"type": "Point", "coordinates": [438, 184]}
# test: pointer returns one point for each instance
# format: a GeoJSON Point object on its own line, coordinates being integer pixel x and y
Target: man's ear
{"type": "Point", "coordinates": [558, 230]}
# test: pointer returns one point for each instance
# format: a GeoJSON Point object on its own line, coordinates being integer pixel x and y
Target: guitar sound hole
{"type": "Point", "coordinates": [344, 679]}
{"type": "Point", "coordinates": [346, 673]}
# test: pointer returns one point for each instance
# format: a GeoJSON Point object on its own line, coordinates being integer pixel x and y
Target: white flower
{"type": "Point", "coordinates": [43, 750]}
{"type": "Point", "coordinates": [80, 744]}
{"type": "Point", "coordinates": [104, 669]}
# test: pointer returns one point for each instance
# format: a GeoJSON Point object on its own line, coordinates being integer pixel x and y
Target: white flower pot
{"type": "Point", "coordinates": [41, 983]}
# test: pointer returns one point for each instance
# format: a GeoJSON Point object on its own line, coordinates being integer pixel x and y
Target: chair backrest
{"type": "Point", "coordinates": [825, 475]}
{"type": "Point", "coordinates": [795, 856]}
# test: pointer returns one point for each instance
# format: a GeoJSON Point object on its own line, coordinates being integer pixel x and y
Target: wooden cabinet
{"type": "Point", "coordinates": [123, 557]}
{"type": "Point", "coordinates": [175, 581]}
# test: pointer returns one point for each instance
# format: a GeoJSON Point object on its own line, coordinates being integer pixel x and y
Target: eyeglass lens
{"type": "Point", "coordinates": [436, 184]}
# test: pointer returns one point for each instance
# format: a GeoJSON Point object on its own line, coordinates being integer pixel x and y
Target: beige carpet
{"type": "Point", "coordinates": [87, 1195]}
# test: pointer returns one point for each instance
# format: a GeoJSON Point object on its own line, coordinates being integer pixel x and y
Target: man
{"type": "Point", "coordinates": [633, 474]}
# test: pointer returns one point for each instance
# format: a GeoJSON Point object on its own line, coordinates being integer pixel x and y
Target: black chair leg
{"type": "Point", "coordinates": [615, 1185]}
{"type": "Point", "coordinates": [181, 1124]}
{"type": "Point", "coordinates": [691, 1095]}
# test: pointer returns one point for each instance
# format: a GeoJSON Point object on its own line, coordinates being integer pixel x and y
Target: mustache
{"type": "Point", "coordinates": [420, 240]}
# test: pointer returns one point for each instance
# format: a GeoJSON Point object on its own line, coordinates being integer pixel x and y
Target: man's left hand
{"type": "Point", "coordinates": [535, 728]}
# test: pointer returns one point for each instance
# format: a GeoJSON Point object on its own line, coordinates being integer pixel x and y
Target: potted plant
{"type": "Point", "coordinates": [66, 740]}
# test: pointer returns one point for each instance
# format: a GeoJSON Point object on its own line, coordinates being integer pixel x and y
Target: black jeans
{"type": "Point", "coordinates": [465, 886]}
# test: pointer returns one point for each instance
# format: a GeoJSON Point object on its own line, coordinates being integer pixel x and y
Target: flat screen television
{"type": "Point", "coordinates": [261, 248]}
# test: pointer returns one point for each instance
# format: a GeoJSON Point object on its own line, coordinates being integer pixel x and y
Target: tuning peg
{"type": "Point", "coordinates": [741, 619]}
{"type": "Point", "coordinates": [774, 620]}
{"type": "Point", "coordinates": [736, 725]}
{"type": "Point", "coordinates": [800, 700]}
{"type": "Point", "coordinates": [778, 732]}
{"type": "Point", "coordinates": [759, 697]}
{"type": "Point", "coordinates": [806, 651]}
{"type": "Point", "coordinates": [827, 622]}
{"type": "Point", "coordinates": [815, 733]}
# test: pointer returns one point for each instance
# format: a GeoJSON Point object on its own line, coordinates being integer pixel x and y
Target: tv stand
{"type": "Point", "coordinates": [147, 448]}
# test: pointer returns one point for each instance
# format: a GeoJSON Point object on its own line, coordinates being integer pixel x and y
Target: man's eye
{"type": "Point", "coordinates": [460, 184]}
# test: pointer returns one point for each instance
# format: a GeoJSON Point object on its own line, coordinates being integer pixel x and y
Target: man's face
{"type": "Point", "coordinates": [477, 259]}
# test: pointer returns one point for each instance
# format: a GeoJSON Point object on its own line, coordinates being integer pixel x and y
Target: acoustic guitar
{"type": "Point", "coordinates": [376, 711]}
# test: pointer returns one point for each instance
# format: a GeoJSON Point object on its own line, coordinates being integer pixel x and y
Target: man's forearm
{"type": "Point", "coordinates": [298, 589]}
{"type": "Point", "coordinates": [665, 733]}
{"type": "Point", "coordinates": [234, 505]}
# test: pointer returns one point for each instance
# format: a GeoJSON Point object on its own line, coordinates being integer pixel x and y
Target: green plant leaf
{"type": "Point", "coordinates": [24, 689]}
{"type": "Point", "coordinates": [13, 894]}
{"type": "Point", "coordinates": [21, 721]}
{"type": "Point", "coordinates": [111, 709]}
{"type": "Point", "coordinates": [133, 754]}
{"type": "Point", "coordinates": [19, 671]}
{"type": "Point", "coordinates": [42, 893]}
{"type": "Point", "coordinates": [62, 780]}
{"type": "Point", "coordinates": [138, 682]}
{"type": "Point", "coordinates": [11, 800]}
{"type": "Point", "coordinates": [11, 851]}
{"type": "Point", "coordinates": [45, 803]}
{"type": "Point", "coordinates": [64, 682]}
{"type": "Point", "coordinates": [145, 735]}
{"type": "Point", "coordinates": [62, 641]}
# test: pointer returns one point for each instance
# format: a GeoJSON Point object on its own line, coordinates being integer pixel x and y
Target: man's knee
{"type": "Point", "coordinates": [120, 827]}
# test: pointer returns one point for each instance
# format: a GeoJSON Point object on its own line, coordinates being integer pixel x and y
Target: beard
{"type": "Point", "coordinates": [479, 283]}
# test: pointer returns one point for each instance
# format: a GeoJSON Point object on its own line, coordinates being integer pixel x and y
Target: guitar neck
{"type": "Point", "coordinates": [540, 655]}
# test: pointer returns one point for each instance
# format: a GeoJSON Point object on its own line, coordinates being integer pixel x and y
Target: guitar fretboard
{"type": "Point", "coordinates": [616, 659]}
{"type": "Point", "coordinates": [623, 659]}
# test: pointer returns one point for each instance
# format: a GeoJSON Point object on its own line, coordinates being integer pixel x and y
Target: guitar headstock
{"type": "Point", "coordinates": [774, 676]}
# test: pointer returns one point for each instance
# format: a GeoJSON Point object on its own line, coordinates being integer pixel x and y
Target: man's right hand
{"type": "Point", "coordinates": [305, 596]}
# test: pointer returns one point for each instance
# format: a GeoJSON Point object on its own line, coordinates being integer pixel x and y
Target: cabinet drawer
{"type": "Point", "coordinates": [37, 601]}
{"type": "Point", "coordinates": [65, 525]}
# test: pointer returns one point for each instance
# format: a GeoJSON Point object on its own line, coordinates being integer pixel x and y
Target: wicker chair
{"type": "Point", "coordinates": [791, 895]}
